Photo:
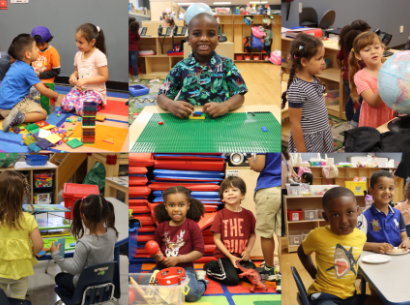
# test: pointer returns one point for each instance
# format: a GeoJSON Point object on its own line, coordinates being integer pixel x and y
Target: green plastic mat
{"type": "Point", "coordinates": [68, 240]}
{"type": "Point", "coordinates": [232, 132]}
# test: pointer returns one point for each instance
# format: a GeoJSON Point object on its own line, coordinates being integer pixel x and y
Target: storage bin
{"type": "Point", "coordinates": [295, 240]}
{"type": "Point", "coordinates": [138, 90]}
{"type": "Point", "coordinates": [256, 57]}
{"type": "Point", "coordinates": [293, 190]}
{"type": "Point", "coordinates": [157, 294]}
{"type": "Point", "coordinates": [247, 57]}
{"type": "Point", "coordinates": [133, 239]}
{"type": "Point", "coordinates": [295, 215]}
{"type": "Point", "coordinates": [357, 188]}
{"type": "Point", "coordinates": [43, 180]}
{"type": "Point", "coordinates": [36, 160]}
{"type": "Point", "coordinates": [265, 57]}
{"type": "Point", "coordinates": [7, 160]}
{"type": "Point", "coordinates": [42, 198]}
{"type": "Point", "coordinates": [238, 57]}
{"type": "Point", "coordinates": [310, 214]}
{"type": "Point", "coordinates": [73, 192]}
{"type": "Point", "coordinates": [318, 190]}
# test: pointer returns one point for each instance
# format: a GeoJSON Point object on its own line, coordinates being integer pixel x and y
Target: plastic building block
{"type": "Point", "coordinates": [44, 133]}
{"type": "Point", "coordinates": [161, 123]}
{"type": "Point", "coordinates": [138, 90]}
{"type": "Point", "coordinates": [79, 119]}
{"type": "Point", "coordinates": [54, 138]}
{"type": "Point", "coordinates": [16, 130]}
{"type": "Point", "coordinates": [44, 144]}
{"type": "Point", "coordinates": [49, 104]}
{"type": "Point", "coordinates": [265, 129]}
{"type": "Point", "coordinates": [42, 124]}
{"type": "Point", "coordinates": [34, 147]}
{"type": "Point", "coordinates": [33, 128]}
{"type": "Point", "coordinates": [109, 140]}
{"type": "Point", "coordinates": [192, 117]}
{"type": "Point", "coordinates": [197, 113]}
{"type": "Point", "coordinates": [29, 140]}
{"type": "Point", "coordinates": [100, 118]}
{"type": "Point", "coordinates": [74, 143]}
{"type": "Point", "coordinates": [49, 127]}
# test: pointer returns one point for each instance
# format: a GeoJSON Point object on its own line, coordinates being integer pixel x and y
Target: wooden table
{"type": "Point", "coordinates": [114, 184]}
{"type": "Point", "coordinates": [143, 118]}
{"type": "Point", "coordinates": [388, 280]}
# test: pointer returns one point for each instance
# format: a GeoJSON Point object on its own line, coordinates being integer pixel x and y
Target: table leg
{"type": "Point", "coordinates": [117, 256]}
{"type": "Point", "coordinates": [363, 285]}
{"type": "Point", "coordinates": [48, 264]}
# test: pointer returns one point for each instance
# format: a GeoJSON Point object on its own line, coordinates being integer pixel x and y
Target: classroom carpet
{"type": "Point", "coordinates": [138, 103]}
{"type": "Point", "coordinates": [114, 126]}
{"type": "Point", "coordinates": [218, 293]}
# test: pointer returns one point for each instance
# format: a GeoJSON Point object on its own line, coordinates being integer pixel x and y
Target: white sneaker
{"type": "Point", "coordinates": [200, 275]}
{"type": "Point", "coordinates": [59, 302]}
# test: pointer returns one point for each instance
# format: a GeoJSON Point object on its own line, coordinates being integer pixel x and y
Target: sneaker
{"type": "Point", "coordinates": [279, 283]}
{"type": "Point", "coordinates": [268, 274]}
{"type": "Point", "coordinates": [15, 117]}
{"type": "Point", "coordinates": [215, 269]}
{"type": "Point", "coordinates": [200, 275]}
{"type": "Point", "coordinates": [59, 302]}
{"type": "Point", "coordinates": [354, 124]}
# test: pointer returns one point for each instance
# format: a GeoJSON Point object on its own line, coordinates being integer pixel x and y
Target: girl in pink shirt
{"type": "Point", "coordinates": [91, 71]}
{"type": "Point", "coordinates": [404, 206]}
{"type": "Point", "coordinates": [368, 48]}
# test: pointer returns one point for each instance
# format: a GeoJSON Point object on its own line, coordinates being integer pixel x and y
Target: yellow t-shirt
{"type": "Point", "coordinates": [16, 254]}
{"type": "Point", "coordinates": [46, 61]}
{"type": "Point", "coordinates": [337, 258]}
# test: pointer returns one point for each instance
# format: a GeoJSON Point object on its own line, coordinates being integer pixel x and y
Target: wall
{"type": "Point", "coordinates": [62, 18]}
{"type": "Point", "coordinates": [384, 15]}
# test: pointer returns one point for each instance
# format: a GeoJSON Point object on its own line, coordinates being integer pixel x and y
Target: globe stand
{"type": "Point", "coordinates": [400, 124]}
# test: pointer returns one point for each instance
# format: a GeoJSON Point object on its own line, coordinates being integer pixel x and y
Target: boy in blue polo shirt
{"type": "Point", "coordinates": [15, 107]}
{"type": "Point", "coordinates": [204, 78]}
{"type": "Point", "coordinates": [383, 225]}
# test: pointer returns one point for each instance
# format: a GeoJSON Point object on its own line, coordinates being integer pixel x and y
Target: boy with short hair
{"type": "Point", "coordinates": [383, 225]}
{"type": "Point", "coordinates": [204, 78]}
{"type": "Point", "coordinates": [338, 247]}
{"type": "Point", "coordinates": [15, 107]}
{"type": "Point", "coordinates": [47, 66]}
{"type": "Point", "coordinates": [234, 234]}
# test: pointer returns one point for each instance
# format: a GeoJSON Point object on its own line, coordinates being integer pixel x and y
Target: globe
{"type": "Point", "coordinates": [195, 9]}
{"type": "Point", "coordinates": [393, 82]}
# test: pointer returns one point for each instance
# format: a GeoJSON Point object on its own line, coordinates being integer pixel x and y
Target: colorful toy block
{"type": "Point", "coordinates": [48, 103]}
{"type": "Point", "coordinates": [74, 143]}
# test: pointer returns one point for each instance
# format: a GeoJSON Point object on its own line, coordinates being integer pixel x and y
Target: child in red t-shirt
{"type": "Point", "coordinates": [234, 234]}
{"type": "Point", "coordinates": [180, 238]}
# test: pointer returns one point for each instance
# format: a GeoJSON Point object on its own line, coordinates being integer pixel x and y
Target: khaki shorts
{"type": "Point", "coordinates": [268, 212]}
{"type": "Point", "coordinates": [26, 105]}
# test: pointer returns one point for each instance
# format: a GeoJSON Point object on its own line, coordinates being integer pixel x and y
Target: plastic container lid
{"type": "Point", "coordinates": [80, 190]}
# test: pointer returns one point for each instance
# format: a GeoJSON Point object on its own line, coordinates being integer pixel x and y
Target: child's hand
{"type": "Point", "coordinates": [382, 248]}
{"type": "Point", "coordinates": [72, 80]}
{"type": "Point", "coordinates": [245, 256]}
{"type": "Point", "coordinates": [81, 82]}
{"type": "Point", "coordinates": [171, 261]}
{"type": "Point", "coordinates": [234, 259]}
{"type": "Point", "coordinates": [53, 247]}
{"type": "Point", "coordinates": [405, 244]}
{"type": "Point", "coordinates": [158, 257]}
{"type": "Point", "coordinates": [215, 109]}
{"type": "Point", "coordinates": [181, 109]}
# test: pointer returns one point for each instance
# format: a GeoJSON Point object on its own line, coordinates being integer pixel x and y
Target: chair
{"type": "Point", "coordinates": [327, 19]}
{"type": "Point", "coordinates": [302, 294]}
{"type": "Point", "coordinates": [97, 283]}
{"type": "Point", "coordinates": [308, 17]}
{"type": "Point", "coordinates": [4, 300]}
{"type": "Point", "coordinates": [407, 47]}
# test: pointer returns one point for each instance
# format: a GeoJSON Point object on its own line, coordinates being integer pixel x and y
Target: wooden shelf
{"type": "Point", "coordinates": [331, 74]}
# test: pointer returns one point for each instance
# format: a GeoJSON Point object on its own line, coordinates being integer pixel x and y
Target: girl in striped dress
{"type": "Point", "coordinates": [310, 129]}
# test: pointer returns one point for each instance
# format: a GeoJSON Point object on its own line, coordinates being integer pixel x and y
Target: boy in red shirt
{"type": "Point", "coordinates": [234, 234]}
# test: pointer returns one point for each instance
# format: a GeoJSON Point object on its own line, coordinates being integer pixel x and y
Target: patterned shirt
{"type": "Point", "coordinates": [47, 60]}
{"type": "Point", "coordinates": [217, 82]}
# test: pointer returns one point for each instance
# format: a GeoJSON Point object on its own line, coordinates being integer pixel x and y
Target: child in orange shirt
{"type": "Point", "coordinates": [47, 66]}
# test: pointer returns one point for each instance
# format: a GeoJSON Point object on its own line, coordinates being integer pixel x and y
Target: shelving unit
{"type": "Point", "coordinates": [29, 172]}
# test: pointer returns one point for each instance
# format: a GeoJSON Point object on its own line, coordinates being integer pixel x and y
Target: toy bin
{"type": "Point", "coordinates": [319, 190]}
{"type": "Point", "coordinates": [138, 90]}
{"type": "Point", "coordinates": [43, 180]}
{"type": "Point", "coordinates": [265, 57]}
{"type": "Point", "coordinates": [73, 192]}
{"type": "Point", "coordinates": [295, 240]}
{"type": "Point", "coordinates": [256, 57]}
{"type": "Point", "coordinates": [143, 293]}
{"type": "Point", "coordinates": [36, 160]}
{"type": "Point", "coordinates": [294, 190]}
{"type": "Point", "coordinates": [310, 214]}
{"type": "Point", "coordinates": [295, 215]}
{"type": "Point", "coordinates": [42, 198]}
{"type": "Point", "coordinates": [356, 187]}
{"type": "Point", "coordinates": [238, 57]}
{"type": "Point", "coordinates": [7, 160]}
{"type": "Point", "coordinates": [247, 57]}
{"type": "Point", "coordinates": [305, 234]}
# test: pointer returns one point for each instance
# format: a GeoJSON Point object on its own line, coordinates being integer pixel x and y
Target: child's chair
{"type": "Point", "coordinates": [4, 300]}
{"type": "Point", "coordinates": [97, 284]}
{"type": "Point", "coordinates": [302, 294]}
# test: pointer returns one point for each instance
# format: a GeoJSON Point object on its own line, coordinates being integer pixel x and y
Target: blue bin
{"type": "Point", "coordinates": [36, 160]}
{"type": "Point", "coordinates": [133, 240]}
{"type": "Point", "coordinates": [129, 7]}
{"type": "Point", "coordinates": [138, 90]}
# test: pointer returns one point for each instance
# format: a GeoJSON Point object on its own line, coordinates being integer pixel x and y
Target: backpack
{"type": "Point", "coordinates": [247, 44]}
{"type": "Point", "coordinates": [257, 43]}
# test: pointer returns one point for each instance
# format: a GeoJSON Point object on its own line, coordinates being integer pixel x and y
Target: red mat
{"type": "Point", "coordinates": [190, 165]}
{"type": "Point", "coordinates": [115, 107]}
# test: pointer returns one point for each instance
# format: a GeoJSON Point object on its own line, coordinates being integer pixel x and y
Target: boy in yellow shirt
{"type": "Point", "coordinates": [338, 247]}
{"type": "Point", "coordinates": [47, 65]}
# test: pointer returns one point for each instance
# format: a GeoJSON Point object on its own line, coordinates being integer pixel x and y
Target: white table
{"type": "Point", "coordinates": [121, 224]}
{"type": "Point", "coordinates": [390, 280]}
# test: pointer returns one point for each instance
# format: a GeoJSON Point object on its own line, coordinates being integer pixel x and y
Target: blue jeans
{"type": "Point", "coordinates": [349, 108]}
{"type": "Point", "coordinates": [196, 287]}
{"type": "Point", "coordinates": [133, 61]}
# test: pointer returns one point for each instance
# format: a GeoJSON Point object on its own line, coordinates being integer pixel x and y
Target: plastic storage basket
{"type": "Point", "coordinates": [36, 160]}
{"type": "Point", "coordinates": [138, 90]}
{"type": "Point", "coordinates": [357, 188]}
{"type": "Point", "coordinates": [73, 192]}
